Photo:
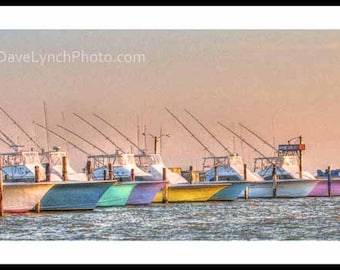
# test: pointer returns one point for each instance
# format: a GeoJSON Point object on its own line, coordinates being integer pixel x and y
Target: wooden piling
{"type": "Point", "coordinates": [274, 181]}
{"type": "Point", "coordinates": [105, 174]}
{"type": "Point", "coordinates": [110, 171]}
{"type": "Point", "coordinates": [64, 170]}
{"type": "Point", "coordinates": [47, 172]}
{"type": "Point", "coordinates": [89, 170]}
{"type": "Point", "coordinates": [246, 190]}
{"type": "Point", "coordinates": [36, 174]}
{"type": "Point", "coordinates": [2, 206]}
{"type": "Point", "coordinates": [165, 191]}
{"type": "Point", "coordinates": [329, 181]}
{"type": "Point", "coordinates": [190, 174]}
{"type": "Point", "coordinates": [216, 173]}
{"type": "Point", "coordinates": [37, 207]}
{"type": "Point", "coordinates": [133, 176]}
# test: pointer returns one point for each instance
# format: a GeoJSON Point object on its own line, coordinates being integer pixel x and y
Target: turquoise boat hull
{"type": "Point", "coordinates": [74, 195]}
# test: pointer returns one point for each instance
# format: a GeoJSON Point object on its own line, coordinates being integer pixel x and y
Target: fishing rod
{"type": "Point", "coordinates": [40, 148]}
{"type": "Point", "coordinates": [102, 133]}
{"type": "Point", "coordinates": [211, 134]}
{"type": "Point", "coordinates": [252, 147]}
{"type": "Point", "coordinates": [130, 141]}
{"type": "Point", "coordinates": [192, 134]}
{"type": "Point", "coordinates": [77, 135]}
{"type": "Point", "coordinates": [260, 138]}
{"type": "Point", "coordinates": [61, 137]}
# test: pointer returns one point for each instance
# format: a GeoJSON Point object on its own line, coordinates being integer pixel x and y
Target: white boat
{"type": "Point", "coordinates": [259, 187]}
{"type": "Point", "coordinates": [23, 197]}
{"type": "Point", "coordinates": [55, 159]}
{"type": "Point", "coordinates": [19, 166]}
{"type": "Point", "coordinates": [153, 164]}
{"type": "Point", "coordinates": [122, 167]}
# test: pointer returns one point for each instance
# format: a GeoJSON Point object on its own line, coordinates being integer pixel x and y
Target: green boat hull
{"type": "Point", "coordinates": [116, 195]}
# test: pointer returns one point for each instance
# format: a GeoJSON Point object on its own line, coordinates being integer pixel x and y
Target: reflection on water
{"type": "Point", "coordinates": [262, 219]}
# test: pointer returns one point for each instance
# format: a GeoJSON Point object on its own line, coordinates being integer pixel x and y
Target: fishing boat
{"type": "Point", "coordinates": [22, 197]}
{"type": "Point", "coordinates": [197, 192]}
{"type": "Point", "coordinates": [75, 192]}
{"type": "Point", "coordinates": [222, 171]}
{"type": "Point", "coordinates": [74, 195]}
{"type": "Point", "coordinates": [126, 172]}
{"type": "Point", "coordinates": [179, 190]}
{"type": "Point", "coordinates": [55, 160]}
{"type": "Point", "coordinates": [20, 166]}
{"type": "Point", "coordinates": [289, 184]}
{"type": "Point", "coordinates": [324, 187]}
{"type": "Point", "coordinates": [257, 186]}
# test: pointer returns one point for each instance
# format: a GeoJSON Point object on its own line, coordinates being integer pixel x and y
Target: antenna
{"type": "Point", "coordinates": [238, 136]}
{"type": "Point", "coordinates": [46, 125]}
{"type": "Point", "coordinates": [61, 137]}
{"type": "Point", "coordinates": [77, 135]}
{"type": "Point", "coordinates": [211, 134]}
{"type": "Point", "coordinates": [192, 134]}
{"type": "Point", "coordinates": [14, 122]}
{"type": "Point", "coordinates": [106, 122]}
{"type": "Point", "coordinates": [138, 131]}
{"type": "Point", "coordinates": [145, 149]}
{"type": "Point", "coordinates": [102, 133]}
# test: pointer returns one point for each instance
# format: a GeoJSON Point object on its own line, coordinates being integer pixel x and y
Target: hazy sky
{"type": "Point", "coordinates": [281, 84]}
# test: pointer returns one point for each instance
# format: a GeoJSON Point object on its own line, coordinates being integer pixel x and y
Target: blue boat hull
{"type": "Point", "coordinates": [230, 193]}
{"type": "Point", "coordinates": [145, 192]}
{"type": "Point", "coordinates": [74, 196]}
{"type": "Point", "coordinates": [290, 188]}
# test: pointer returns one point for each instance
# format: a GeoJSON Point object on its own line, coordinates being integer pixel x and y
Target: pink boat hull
{"type": "Point", "coordinates": [321, 189]}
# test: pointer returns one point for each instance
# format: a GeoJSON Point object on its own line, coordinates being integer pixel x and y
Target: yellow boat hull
{"type": "Point", "coordinates": [190, 192]}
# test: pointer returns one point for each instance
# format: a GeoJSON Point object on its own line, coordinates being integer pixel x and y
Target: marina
{"type": "Point", "coordinates": [215, 137]}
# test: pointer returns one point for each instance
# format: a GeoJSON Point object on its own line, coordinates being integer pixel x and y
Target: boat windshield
{"type": "Point", "coordinates": [156, 159]}
{"type": "Point", "coordinates": [123, 160]}
{"type": "Point", "coordinates": [31, 157]}
{"type": "Point", "coordinates": [56, 158]}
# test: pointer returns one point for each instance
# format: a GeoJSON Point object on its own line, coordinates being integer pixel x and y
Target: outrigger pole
{"type": "Point", "coordinates": [260, 138]}
{"type": "Point", "coordinates": [102, 133]}
{"type": "Point", "coordinates": [243, 140]}
{"type": "Point", "coordinates": [120, 133]}
{"type": "Point", "coordinates": [211, 134]}
{"type": "Point", "coordinates": [14, 122]}
{"type": "Point", "coordinates": [61, 137]}
{"type": "Point", "coordinates": [77, 135]}
{"type": "Point", "coordinates": [192, 134]}
{"type": "Point", "coordinates": [4, 141]}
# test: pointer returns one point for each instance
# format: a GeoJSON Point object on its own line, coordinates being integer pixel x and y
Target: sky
{"type": "Point", "coordinates": [279, 83]}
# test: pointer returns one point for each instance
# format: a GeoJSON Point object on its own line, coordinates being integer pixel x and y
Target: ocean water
{"type": "Point", "coordinates": [245, 220]}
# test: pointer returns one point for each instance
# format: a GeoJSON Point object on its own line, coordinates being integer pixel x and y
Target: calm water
{"type": "Point", "coordinates": [261, 219]}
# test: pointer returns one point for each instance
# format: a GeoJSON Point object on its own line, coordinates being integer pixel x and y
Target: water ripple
{"type": "Point", "coordinates": [268, 219]}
